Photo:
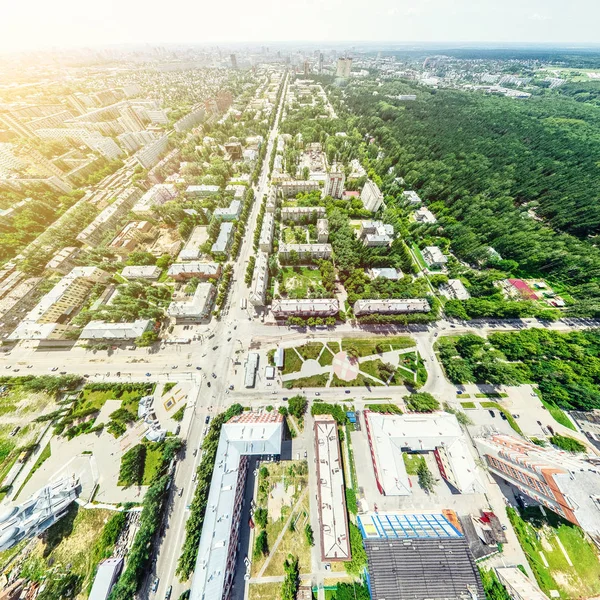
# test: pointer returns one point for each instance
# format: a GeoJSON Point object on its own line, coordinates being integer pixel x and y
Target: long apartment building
{"type": "Point", "coordinates": [150, 154]}
{"type": "Point", "coordinates": [265, 242]}
{"type": "Point", "coordinates": [307, 214]}
{"type": "Point", "coordinates": [310, 307]}
{"type": "Point", "coordinates": [260, 280]}
{"type": "Point", "coordinates": [305, 251]}
{"type": "Point", "coordinates": [391, 306]}
{"type": "Point", "coordinates": [108, 218]}
{"type": "Point", "coordinates": [334, 184]}
{"type": "Point", "coordinates": [155, 196]}
{"type": "Point", "coordinates": [566, 484]}
{"type": "Point", "coordinates": [292, 188]}
{"type": "Point", "coordinates": [131, 235]}
{"type": "Point", "coordinates": [371, 196]}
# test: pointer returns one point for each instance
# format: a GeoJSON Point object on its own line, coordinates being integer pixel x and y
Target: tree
{"type": "Point", "coordinates": [567, 443]}
{"type": "Point", "coordinates": [291, 581]}
{"type": "Point", "coordinates": [421, 402]}
{"type": "Point", "coordinates": [261, 516]}
{"type": "Point", "coordinates": [261, 545]}
{"type": "Point", "coordinates": [146, 339]}
{"type": "Point", "coordinates": [308, 533]}
{"type": "Point", "coordinates": [140, 257]}
{"type": "Point", "coordinates": [297, 406]}
{"type": "Point", "coordinates": [426, 479]}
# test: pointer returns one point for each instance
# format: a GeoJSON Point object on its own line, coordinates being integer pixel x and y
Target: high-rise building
{"type": "Point", "coordinates": [306, 68]}
{"type": "Point", "coordinates": [320, 63]}
{"type": "Point", "coordinates": [233, 61]}
{"type": "Point", "coordinates": [344, 66]}
{"type": "Point", "coordinates": [334, 184]}
{"type": "Point", "coordinates": [371, 196]}
{"type": "Point", "coordinates": [566, 484]}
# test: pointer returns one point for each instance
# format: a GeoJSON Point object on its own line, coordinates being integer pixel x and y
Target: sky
{"type": "Point", "coordinates": [67, 23]}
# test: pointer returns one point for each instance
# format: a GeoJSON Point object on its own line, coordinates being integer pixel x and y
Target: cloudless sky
{"type": "Point", "coordinates": [44, 23]}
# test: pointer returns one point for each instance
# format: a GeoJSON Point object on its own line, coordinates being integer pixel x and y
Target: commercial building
{"type": "Point", "coordinates": [199, 270]}
{"type": "Point", "coordinates": [424, 215]}
{"type": "Point", "coordinates": [102, 330]}
{"type": "Point", "coordinates": [202, 191]}
{"type": "Point", "coordinates": [92, 235]}
{"type": "Point", "coordinates": [134, 233]}
{"type": "Point", "coordinates": [440, 433]}
{"type": "Point", "coordinates": [49, 318]}
{"type": "Point", "coordinates": [334, 184]}
{"type": "Point", "coordinates": [317, 307]}
{"type": "Point", "coordinates": [371, 196]}
{"type": "Point", "coordinates": [141, 272]}
{"type": "Point", "coordinates": [305, 252]}
{"type": "Point", "coordinates": [230, 213]}
{"type": "Point", "coordinates": [221, 245]}
{"type": "Point", "coordinates": [392, 306]}
{"type": "Point", "coordinates": [33, 516]}
{"type": "Point", "coordinates": [434, 257]}
{"type": "Point", "coordinates": [455, 289]}
{"type": "Point", "coordinates": [150, 154]}
{"type": "Point", "coordinates": [195, 306]}
{"type": "Point", "coordinates": [249, 434]}
{"type": "Point", "coordinates": [157, 195]}
{"type": "Point", "coordinates": [260, 280]}
{"type": "Point", "coordinates": [293, 188]}
{"type": "Point", "coordinates": [344, 66]}
{"type": "Point", "coordinates": [412, 197]}
{"type": "Point", "coordinates": [322, 231]}
{"type": "Point", "coordinates": [385, 273]}
{"type": "Point", "coordinates": [250, 368]}
{"type": "Point", "coordinates": [302, 214]}
{"type": "Point", "coordinates": [420, 556]}
{"type": "Point", "coordinates": [376, 233]}
{"type": "Point", "coordinates": [265, 242]}
{"type": "Point", "coordinates": [64, 260]}
{"type": "Point", "coordinates": [106, 576]}
{"type": "Point", "coordinates": [562, 482]}
{"type": "Point", "coordinates": [331, 491]}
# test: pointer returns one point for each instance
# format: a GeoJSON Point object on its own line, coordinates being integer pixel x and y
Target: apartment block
{"type": "Point", "coordinates": [322, 231]}
{"type": "Point", "coordinates": [157, 195]}
{"type": "Point", "coordinates": [334, 184]}
{"type": "Point", "coordinates": [434, 257]}
{"type": "Point", "coordinates": [198, 270]}
{"type": "Point", "coordinates": [127, 240]}
{"type": "Point", "coordinates": [265, 242]}
{"type": "Point", "coordinates": [260, 280]}
{"type": "Point", "coordinates": [412, 197]}
{"type": "Point", "coordinates": [191, 120]}
{"type": "Point", "coordinates": [314, 307]}
{"type": "Point", "coordinates": [229, 213]}
{"type": "Point", "coordinates": [391, 306]}
{"type": "Point", "coordinates": [302, 214]}
{"type": "Point", "coordinates": [223, 242]}
{"type": "Point", "coordinates": [371, 196]}
{"type": "Point", "coordinates": [150, 154]}
{"type": "Point", "coordinates": [64, 260]}
{"type": "Point", "coordinates": [376, 233]}
{"type": "Point", "coordinates": [562, 482]}
{"type": "Point", "coordinates": [293, 188]}
{"type": "Point", "coordinates": [195, 306]}
{"type": "Point", "coordinates": [305, 251]}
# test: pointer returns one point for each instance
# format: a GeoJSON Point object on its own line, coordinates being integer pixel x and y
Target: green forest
{"type": "Point", "coordinates": [519, 176]}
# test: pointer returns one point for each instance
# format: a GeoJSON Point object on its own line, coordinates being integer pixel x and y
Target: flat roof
{"type": "Point", "coordinates": [246, 434]}
{"type": "Point", "coordinates": [333, 517]}
{"type": "Point", "coordinates": [406, 526]}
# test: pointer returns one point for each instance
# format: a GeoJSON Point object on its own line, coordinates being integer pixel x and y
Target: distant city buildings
{"type": "Point", "coordinates": [344, 67]}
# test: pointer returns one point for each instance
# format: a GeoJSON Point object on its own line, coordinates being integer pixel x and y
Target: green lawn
{"type": "Point", "coordinates": [371, 367]}
{"type": "Point", "coordinates": [419, 256]}
{"type": "Point", "coordinates": [292, 362]}
{"type": "Point", "coordinates": [558, 414]}
{"type": "Point", "coordinates": [412, 462]}
{"type": "Point", "coordinates": [326, 357]}
{"type": "Point", "coordinates": [359, 381]}
{"type": "Point", "coordinates": [468, 404]}
{"type": "Point", "coordinates": [299, 280]}
{"type": "Point", "coordinates": [302, 382]}
{"type": "Point", "coordinates": [491, 395]}
{"type": "Point", "coordinates": [152, 463]}
{"type": "Point", "coordinates": [334, 347]}
{"type": "Point", "coordinates": [538, 534]}
{"type": "Point", "coordinates": [310, 350]}
{"type": "Point", "coordinates": [368, 346]}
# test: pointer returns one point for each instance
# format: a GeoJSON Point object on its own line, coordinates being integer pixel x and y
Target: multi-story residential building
{"type": "Point", "coordinates": [562, 482]}
{"type": "Point", "coordinates": [434, 257]}
{"type": "Point", "coordinates": [412, 197]}
{"type": "Point", "coordinates": [376, 233]}
{"type": "Point", "coordinates": [293, 188]}
{"type": "Point", "coordinates": [102, 330]}
{"type": "Point", "coordinates": [50, 317]}
{"type": "Point", "coordinates": [133, 141]}
{"type": "Point", "coordinates": [391, 306]}
{"type": "Point", "coordinates": [371, 196]}
{"type": "Point", "coordinates": [322, 231]}
{"type": "Point", "coordinates": [221, 246]}
{"type": "Point", "coordinates": [155, 196]}
{"type": "Point", "coordinates": [193, 307]}
{"type": "Point", "coordinates": [304, 214]}
{"type": "Point", "coordinates": [150, 154]}
{"type": "Point", "coordinates": [344, 67]}
{"type": "Point", "coordinates": [234, 150]}
{"type": "Point", "coordinates": [250, 433]}
{"type": "Point", "coordinates": [127, 240]}
{"type": "Point", "coordinates": [141, 272]}
{"type": "Point", "coordinates": [130, 119]}
{"type": "Point", "coordinates": [155, 174]}
{"type": "Point", "coordinates": [265, 242]}
{"type": "Point", "coordinates": [334, 183]}
{"type": "Point", "coordinates": [229, 213]}
{"type": "Point", "coordinates": [158, 116]}
{"type": "Point", "coordinates": [260, 280]}
{"type": "Point", "coordinates": [198, 270]}
{"type": "Point", "coordinates": [314, 307]}
{"type": "Point", "coordinates": [109, 217]}
{"type": "Point", "coordinates": [64, 260]}
{"type": "Point", "coordinates": [202, 191]}
{"type": "Point", "coordinates": [424, 215]}
{"type": "Point", "coordinates": [272, 200]}
{"type": "Point", "coordinates": [191, 120]}
{"type": "Point", "coordinates": [15, 125]}
{"type": "Point", "coordinates": [455, 289]}
{"type": "Point", "coordinates": [304, 251]}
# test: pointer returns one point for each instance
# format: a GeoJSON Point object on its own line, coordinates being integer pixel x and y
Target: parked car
{"type": "Point", "coordinates": [492, 413]}
{"type": "Point", "coordinates": [207, 420]}
{"type": "Point", "coordinates": [155, 585]}
{"type": "Point", "coordinates": [169, 592]}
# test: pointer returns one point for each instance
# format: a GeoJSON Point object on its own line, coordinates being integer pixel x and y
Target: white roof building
{"type": "Point", "coordinates": [102, 330]}
{"type": "Point", "coordinates": [437, 432]}
{"type": "Point", "coordinates": [385, 273]}
{"type": "Point", "coordinates": [155, 196]}
{"type": "Point", "coordinates": [455, 289]}
{"type": "Point", "coordinates": [193, 307]}
{"type": "Point", "coordinates": [371, 196]}
{"type": "Point", "coordinates": [391, 306]}
{"type": "Point", "coordinates": [230, 213]}
{"type": "Point", "coordinates": [265, 242]}
{"type": "Point", "coordinates": [260, 280]}
{"type": "Point", "coordinates": [314, 307]}
{"type": "Point", "coordinates": [433, 256]}
{"type": "Point", "coordinates": [202, 190]}
{"type": "Point", "coordinates": [245, 435]}
{"type": "Point", "coordinates": [412, 197]}
{"type": "Point", "coordinates": [141, 272]}
{"type": "Point", "coordinates": [250, 369]}
{"type": "Point", "coordinates": [424, 215]}
{"type": "Point", "coordinates": [299, 213]}
{"type": "Point", "coordinates": [221, 246]}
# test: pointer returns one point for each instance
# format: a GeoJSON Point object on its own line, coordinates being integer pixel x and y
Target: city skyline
{"type": "Point", "coordinates": [408, 21]}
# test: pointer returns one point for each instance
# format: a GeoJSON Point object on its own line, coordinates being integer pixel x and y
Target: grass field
{"type": "Point", "coordinates": [368, 346]}
{"type": "Point", "coordinates": [326, 357]}
{"type": "Point", "coordinates": [412, 462]}
{"type": "Point", "coordinates": [292, 362]}
{"type": "Point", "coordinates": [302, 382]}
{"type": "Point", "coordinates": [153, 461]}
{"type": "Point", "coordinates": [538, 534]}
{"type": "Point", "coordinates": [299, 280]}
{"type": "Point", "coordinates": [419, 256]}
{"type": "Point", "coordinates": [468, 404]}
{"type": "Point", "coordinates": [359, 381]}
{"type": "Point", "coordinates": [558, 414]}
{"type": "Point", "coordinates": [310, 350]}
{"type": "Point", "coordinates": [264, 591]}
